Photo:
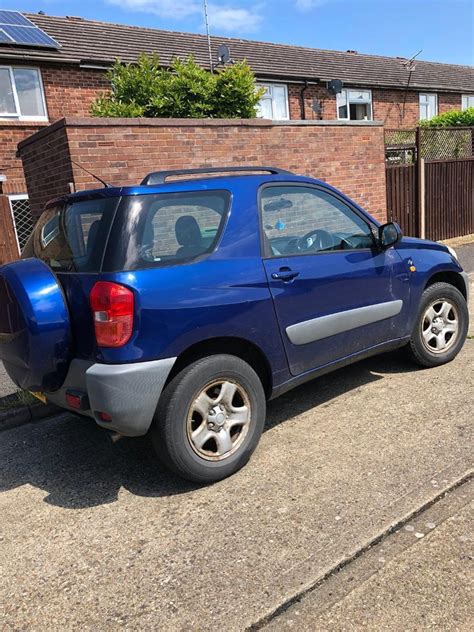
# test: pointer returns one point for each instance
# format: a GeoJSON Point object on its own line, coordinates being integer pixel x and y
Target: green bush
{"type": "Point", "coordinates": [185, 90]}
{"type": "Point", "coordinates": [453, 118]}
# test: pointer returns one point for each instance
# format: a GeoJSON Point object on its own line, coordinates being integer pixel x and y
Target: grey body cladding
{"type": "Point", "coordinates": [332, 324]}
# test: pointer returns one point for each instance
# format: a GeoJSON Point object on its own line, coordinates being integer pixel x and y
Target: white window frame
{"type": "Point", "coordinates": [465, 101]}
{"type": "Point", "coordinates": [345, 91]}
{"type": "Point", "coordinates": [270, 86]}
{"type": "Point", "coordinates": [18, 116]}
{"type": "Point", "coordinates": [428, 94]}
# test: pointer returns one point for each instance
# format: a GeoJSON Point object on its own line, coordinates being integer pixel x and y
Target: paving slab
{"type": "Point", "coordinates": [419, 578]}
{"type": "Point", "coordinates": [94, 535]}
{"type": "Point", "coordinates": [6, 385]}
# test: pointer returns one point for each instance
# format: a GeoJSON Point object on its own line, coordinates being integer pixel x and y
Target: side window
{"type": "Point", "coordinates": [185, 230]}
{"type": "Point", "coordinates": [303, 220]}
{"type": "Point", "coordinates": [182, 226]}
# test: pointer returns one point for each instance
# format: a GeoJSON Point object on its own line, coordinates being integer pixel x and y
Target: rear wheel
{"type": "Point", "coordinates": [441, 326]}
{"type": "Point", "coordinates": [209, 418]}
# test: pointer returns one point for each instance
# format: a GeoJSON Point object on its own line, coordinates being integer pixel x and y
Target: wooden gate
{"type": "Point", "coordinates": [8, 241]}
{"type": "Point", "coordinates": [449, 198]}
{"type": "Point", "coordinates": [430, 181]}
{"type": "Point", "coordinates": [402, 198]}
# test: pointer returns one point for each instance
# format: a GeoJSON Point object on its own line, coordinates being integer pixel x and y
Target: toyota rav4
{"type": "Point", "coordinates": [180, 306]}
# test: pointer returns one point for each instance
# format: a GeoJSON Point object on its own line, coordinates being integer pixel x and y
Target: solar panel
{"type": "Point", "coordinates": [13, 17]}
{"type": "Point", "coordinates": [4, 39]}
{"type": "Point", "coordinates": [16, 29]}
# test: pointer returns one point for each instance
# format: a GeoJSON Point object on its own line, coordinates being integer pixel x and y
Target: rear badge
{"type": "Point", "coordinates": [40, 396]}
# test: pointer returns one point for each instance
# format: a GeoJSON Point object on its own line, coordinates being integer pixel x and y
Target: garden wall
{"type": "Point", "coordinates": [349, 156]}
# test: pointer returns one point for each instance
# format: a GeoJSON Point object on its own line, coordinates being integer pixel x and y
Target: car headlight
{"type": "Point", "coordinates": [452, 252]}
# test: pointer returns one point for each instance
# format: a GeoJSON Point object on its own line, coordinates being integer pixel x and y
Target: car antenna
{"type": "Point", "coordinates": [106, 184]}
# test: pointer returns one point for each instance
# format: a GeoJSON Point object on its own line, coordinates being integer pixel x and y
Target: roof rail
{"type": "Point", "coordinates": [159, 177]}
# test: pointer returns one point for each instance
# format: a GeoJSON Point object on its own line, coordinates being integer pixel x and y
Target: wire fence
{"type": "Point", "coordinates": [402, 147]}
{"type": "Point", "coordinates": [438, 143]}
{"type": "Point", "coordinates": [23, 219]}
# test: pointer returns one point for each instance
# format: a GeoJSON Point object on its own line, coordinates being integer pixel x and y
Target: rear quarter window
{"type": "Point", "coordinates": [72, 237]}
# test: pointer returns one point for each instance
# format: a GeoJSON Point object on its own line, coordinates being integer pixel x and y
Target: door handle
{"type": "Point", "coordinates": [285, 275]}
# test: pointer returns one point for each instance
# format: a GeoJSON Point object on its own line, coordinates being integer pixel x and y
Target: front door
{"type": "Point", "coordinates": [335, 292]}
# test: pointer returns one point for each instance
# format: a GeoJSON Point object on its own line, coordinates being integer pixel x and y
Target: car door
{"type": "Point", "coordinates": [335, 291]}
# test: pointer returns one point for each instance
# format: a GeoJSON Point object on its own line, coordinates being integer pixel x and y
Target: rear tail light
{"type": "Point", "coordinates": [112, 308]}
{"type": "Point", "coordinates": [104, 416]}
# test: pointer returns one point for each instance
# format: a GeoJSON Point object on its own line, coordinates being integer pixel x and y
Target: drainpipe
{"type": "Point", "coordinates": [302, 93]}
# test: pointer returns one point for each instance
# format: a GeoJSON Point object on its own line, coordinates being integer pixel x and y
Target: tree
{"type": "Point", "coordinates": [452, 118]}
{"type": "Point", "coordinates": [185, 90]}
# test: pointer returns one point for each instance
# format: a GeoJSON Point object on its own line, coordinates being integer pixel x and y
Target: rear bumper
{"type": "Point", "coordinates": [129, 393]}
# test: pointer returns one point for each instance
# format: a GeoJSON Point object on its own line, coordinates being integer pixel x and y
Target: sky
{"type": "Point", "coordinates": [443, 29]}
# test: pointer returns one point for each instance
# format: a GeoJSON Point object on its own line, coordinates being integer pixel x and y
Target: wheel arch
{"type": "Point", "coordinates": [448, 276]}
{"type": "Point", "coordinates": [239, 347]}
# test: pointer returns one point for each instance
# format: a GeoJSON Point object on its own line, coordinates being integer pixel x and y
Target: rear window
{"type": "Point", "coordinates": [114, 234]}
{"type": "Point", "coordinates": [163, 229]}
{"type": "Point", "coordinates": [72, 237]}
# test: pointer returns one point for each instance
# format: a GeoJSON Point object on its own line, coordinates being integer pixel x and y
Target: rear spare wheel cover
{"type": "Point", "coordinates": [35, 330]}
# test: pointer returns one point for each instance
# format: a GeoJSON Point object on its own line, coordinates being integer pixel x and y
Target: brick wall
{"type": "Point", "coordinates": [47, 165]}
{"type": "Point", "coordinates": [394, 108]}
{"type": "Point", "coordinates": [11, 134]}
{"type": "Point", "coordinates": [69, 91]}
{"type": "Point", "coordinates": [311, 94]}
{"type": "Point", "coordinates": [121, 151]}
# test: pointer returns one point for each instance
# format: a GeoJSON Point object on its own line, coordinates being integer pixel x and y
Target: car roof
{"type": "Point", "coordinates": [231, 183]}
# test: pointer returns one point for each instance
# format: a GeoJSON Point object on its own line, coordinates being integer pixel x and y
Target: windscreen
{"type": "Point", "coordinates": [72, 237]}
{"type": "Point", "coordinates": [157, 230]}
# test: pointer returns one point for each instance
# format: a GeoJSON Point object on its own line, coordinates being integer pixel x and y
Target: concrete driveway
{"type": "Point", "coordinates": [95, 536]}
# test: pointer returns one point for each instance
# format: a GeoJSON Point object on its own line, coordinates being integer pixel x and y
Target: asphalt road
{"type": "Point", "coordinates": [95, 536]}
{"type": "Point", "coordinates": [465, 254]}
{"type": "Point", "coordinates": [418, 578]}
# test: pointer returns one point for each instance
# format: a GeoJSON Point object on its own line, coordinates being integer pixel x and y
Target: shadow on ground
{"type": "Point", "coordinates": [79, 465]}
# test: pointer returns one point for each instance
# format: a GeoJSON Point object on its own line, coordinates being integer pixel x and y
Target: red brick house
{"type": "Point", "coordinates": [40, 85]}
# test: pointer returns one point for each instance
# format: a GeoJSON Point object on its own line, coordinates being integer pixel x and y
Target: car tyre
{"type": "Point", "coordinates": [209, 418]}
{"type": "Point", "coordinates": [441, 326]}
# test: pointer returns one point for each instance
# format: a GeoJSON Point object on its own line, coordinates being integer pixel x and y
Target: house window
{"type": "Point", "coordinates": [428, 106]}
{"type": "Point", "coordinates": [274, 103]}
{"type": "Point", "coordinates": [354, 105]}
{"type": "Point", "coordinates": [21, 94]}
{"type": "Point", "coordinates": [467, 101]}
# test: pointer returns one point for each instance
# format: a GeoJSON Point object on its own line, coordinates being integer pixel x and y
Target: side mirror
{"type": "Point", "coordinates": [389, 235]}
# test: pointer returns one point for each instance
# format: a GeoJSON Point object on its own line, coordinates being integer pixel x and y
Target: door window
{"type": "Point", "coordinates": [300, 220]}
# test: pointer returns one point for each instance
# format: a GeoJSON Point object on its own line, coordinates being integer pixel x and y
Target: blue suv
{"type": "Point", "coordinates": [180, 306]}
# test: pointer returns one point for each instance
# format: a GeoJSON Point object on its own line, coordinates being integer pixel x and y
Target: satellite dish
{"type": "Point", "coordinates": [335, 86]}
{"type": "Point", "coordinates": [223, 54]}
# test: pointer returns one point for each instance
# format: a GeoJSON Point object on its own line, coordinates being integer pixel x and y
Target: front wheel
{"type": "Point", "coordinates": [209, 418]}
{"type": "Point", "coordinates": [441, 326]}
